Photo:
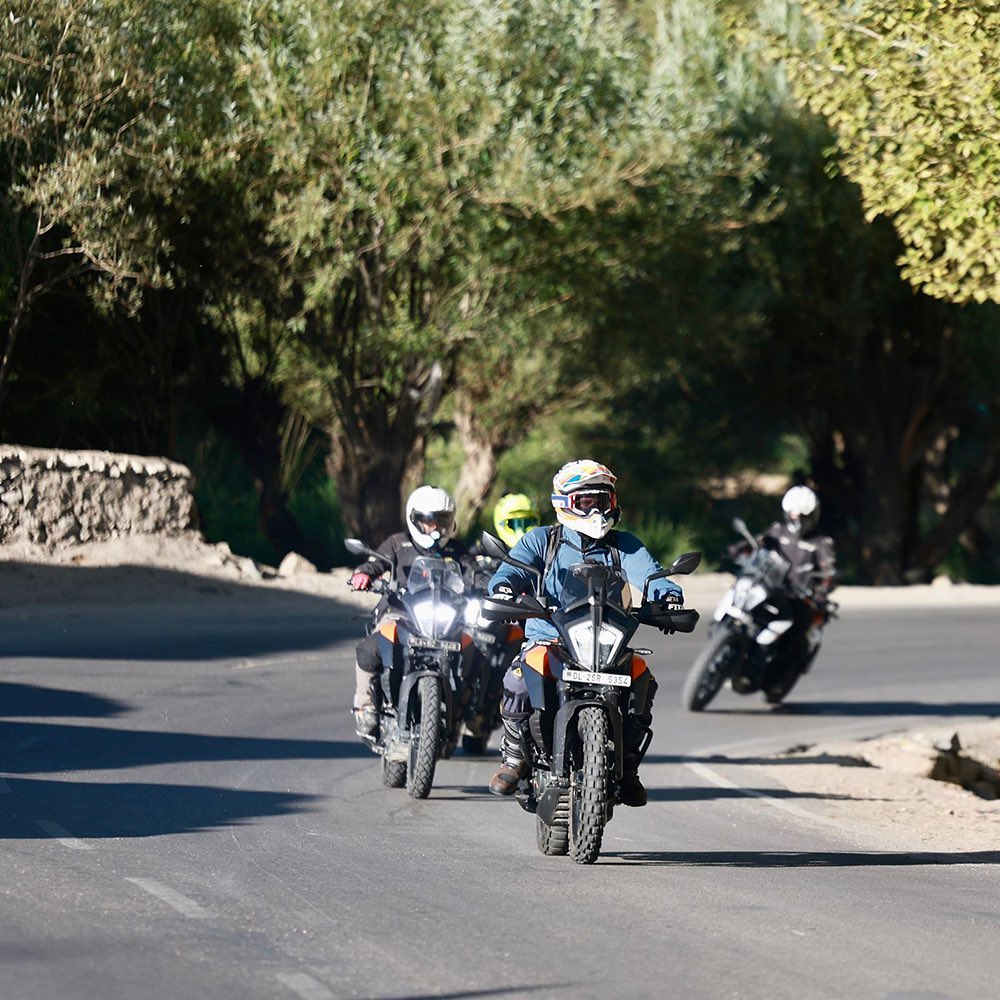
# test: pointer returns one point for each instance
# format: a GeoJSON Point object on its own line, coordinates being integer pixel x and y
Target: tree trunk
{"type": "Point", "coordinates": [378, 458]}
{"type": "Point", "coordinates": [478, 468]}
{"type": "Point", "coordinates": [253, 424]}
{"type": "Point", "coordinates": [373, 478]}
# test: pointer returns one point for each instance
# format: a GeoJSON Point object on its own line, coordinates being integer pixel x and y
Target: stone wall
{"type": "Point", "coordinates": [53, 497]}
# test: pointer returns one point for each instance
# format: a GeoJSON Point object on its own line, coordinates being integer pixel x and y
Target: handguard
{"type": "Point", "coordinates": [498, 609]}
{"type": "Point", "coordinates": [668, 616]}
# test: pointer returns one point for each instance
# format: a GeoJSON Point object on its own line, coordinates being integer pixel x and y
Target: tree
{"type": "Point", "coordinates": [103, 110]}
{"type": "Point", "coordinates": [418, 152]}
{"type": "Point", "coordinates": [795, 319]}
{"type": "Point", "coordinates": [911, 89]}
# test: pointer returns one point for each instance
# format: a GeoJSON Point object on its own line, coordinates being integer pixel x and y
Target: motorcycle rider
{"type": "Point", "coordinates": [813, 562]}
{"type": "Point", "coordinates": [514, 515]}
{"type": "Point", "coordinates": [430, 525]}
{"type": "Point", "coordinates": [586, 507]}
{"type": "Point", "coordinates": [497, 643]}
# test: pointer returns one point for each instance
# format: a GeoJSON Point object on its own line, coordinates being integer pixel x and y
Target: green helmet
{"type": "Point", "coordinates": [514, 515]}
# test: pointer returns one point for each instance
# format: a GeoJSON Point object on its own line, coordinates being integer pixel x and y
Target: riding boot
{"type": "Point", "coordinates": [513, 766]}
{"type": "Point", "coordinates": [636, 737]}
{"type": "Point", "coordinates": [365, 704]}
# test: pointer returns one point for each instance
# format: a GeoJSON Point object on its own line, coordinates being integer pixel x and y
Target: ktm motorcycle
{"type": "Point", "coordinates": [581, 689]}
{"type": "Point", "coordinates": [426, 689]}
{"type": "Point", "coordinates": [766, 630]}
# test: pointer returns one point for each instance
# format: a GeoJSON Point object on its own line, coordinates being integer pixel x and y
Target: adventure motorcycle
{"type": "Point", "coordinates": [425, 695]}
{"type": "Point", "coordinates": [582, 689]}
{"type": "Point", "coordinates": [756, 636]}
{"type": "Point", "coordinates": [496, 644]}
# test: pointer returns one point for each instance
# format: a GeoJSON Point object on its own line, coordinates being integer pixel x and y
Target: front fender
{"type": "Point", "coordinates": [406, 691]}
{"type": "Point", "coordinates": [566, 717]}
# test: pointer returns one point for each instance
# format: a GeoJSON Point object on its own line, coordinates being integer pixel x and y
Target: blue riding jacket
{"type": "Point", "coordinates": [637, 563]}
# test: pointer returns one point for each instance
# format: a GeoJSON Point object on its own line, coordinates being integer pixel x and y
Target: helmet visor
{"type": "Point", "coordinates": [587, 502]}
{"type": "Point", "coordinates": [428, 522]}
{"type": "Point", "coordinates": [521, 524]}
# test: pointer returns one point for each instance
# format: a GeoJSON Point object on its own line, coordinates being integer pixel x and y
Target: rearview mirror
{"type": "Point", "coordinates": [492, 546]}
{"type": "Point", "coordinates": [686, 563]}
{"type": "Point", "coordinates": [682, 564]}
{"type": "Point", "coordinates": [739, 525]}
{"type": "Point", "coordinates": [356, 547]}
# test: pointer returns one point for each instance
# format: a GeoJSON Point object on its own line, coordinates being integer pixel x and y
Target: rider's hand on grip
{"type": "Point", "coordinates": [361, 581]}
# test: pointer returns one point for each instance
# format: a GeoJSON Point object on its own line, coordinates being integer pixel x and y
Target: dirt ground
{"type": "Point", "coordinates": [875, 788]}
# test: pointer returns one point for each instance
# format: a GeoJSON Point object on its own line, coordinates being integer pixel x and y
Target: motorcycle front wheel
{"type": "Point", "coordinates": [589, 792]}
{"type": "Point", "coordinates": [425, 743]}
{"type": "Point", "coordinates": [708, 672]}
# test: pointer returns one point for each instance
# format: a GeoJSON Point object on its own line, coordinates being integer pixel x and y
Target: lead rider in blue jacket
{"type": "Point", "coordinates": [586, 507]}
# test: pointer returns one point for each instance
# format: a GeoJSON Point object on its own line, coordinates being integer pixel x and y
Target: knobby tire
{"type": "Point", "coordinates": [554, 840]}
{"type": "Point", "coordinates": [707, 673]}
{"type": "Point", "coordinates": [589, 793]}
{"type": "Point", "coordinates": [393, 773]}
{"type": "Point", "coordinates": [428, 739]}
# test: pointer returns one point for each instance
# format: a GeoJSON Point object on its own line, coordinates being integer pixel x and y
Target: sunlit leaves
{"type": "Point", "coordinates": [912, 89]}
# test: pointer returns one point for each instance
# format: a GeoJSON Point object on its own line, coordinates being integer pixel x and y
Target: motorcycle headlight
{"type": "Point", "coordinates": [472, 610]}
{"type": "Point", "coordinates": [609, 641]}
{"type": "Point", "coordinates": [433, 618]}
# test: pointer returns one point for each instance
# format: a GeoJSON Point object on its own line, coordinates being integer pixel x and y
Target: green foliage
{"type": "Point", "coordinates": [316, 509]}
{"type": "Point", "coordinates": [911, 89]}
{"type": "Point", "coordinates": [226, 498]}
{"type": "Point", "coordinates": [666, 538]}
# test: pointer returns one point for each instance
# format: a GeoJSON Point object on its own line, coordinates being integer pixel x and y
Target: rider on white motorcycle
{"type": "Point", "coordinates": [813, 563]}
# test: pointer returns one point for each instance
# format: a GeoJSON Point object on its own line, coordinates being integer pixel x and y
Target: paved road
{"type": "Point", "coordinates": [185, 813]}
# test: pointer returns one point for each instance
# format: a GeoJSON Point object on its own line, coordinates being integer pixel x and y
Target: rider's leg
{"type": "Point", "coordinates": [366, 679]}
{"type": "Point", "coordinates": [515, 710]}
{"type": "Point", "coordinates": [635, 739]}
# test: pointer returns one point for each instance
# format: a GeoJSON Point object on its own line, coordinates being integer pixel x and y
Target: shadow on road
{"type": "Point", "coordinates": [868, 708]}
{"type": "Point", "coordinates": [704, 794]}
{"type": "Point", "coordinates": [41, 748]}
{"type": "Point", "coordinates": [498, 991]}
{"type": "Point", "coordinates": [149, 613]}
{"type": "Point", "coordinates": [32, 700]}
{"type": "Point", "coordinates": [841, 760]}
{"type": "Point", "coordinates": [799, 859]}
{"type": "Point", "coordinates": [91, 810]}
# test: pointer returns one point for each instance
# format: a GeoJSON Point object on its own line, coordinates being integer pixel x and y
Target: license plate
{"type": "Point", "coordinates": [593, 677]}
{"type": "Point", "coordinates": [419, 640]}
{"type": "Point", "coordinates": [483, 636]}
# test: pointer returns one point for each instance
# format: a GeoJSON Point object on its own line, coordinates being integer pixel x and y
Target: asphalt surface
{"type": "Point", "coordinates": [185, 812]}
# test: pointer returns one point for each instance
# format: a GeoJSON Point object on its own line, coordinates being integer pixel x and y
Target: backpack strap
{"type": "Point", "coordinates": [552, 543]}
{"type": "Point", "coordinates": [554, 540]}
{"type": "Point", "coordinates": [611, 540]}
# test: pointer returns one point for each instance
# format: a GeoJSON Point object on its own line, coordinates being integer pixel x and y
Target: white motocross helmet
{"type": "Point", "coordinates": [430, 516]}
{"type": "Point", "coordinates": [584, 497]}
{"type": "Point", "coordinates": [801, 509]}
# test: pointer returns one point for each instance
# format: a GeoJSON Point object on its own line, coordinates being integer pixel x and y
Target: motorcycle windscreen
{"type": "Point", "coordinates": [434, 590]}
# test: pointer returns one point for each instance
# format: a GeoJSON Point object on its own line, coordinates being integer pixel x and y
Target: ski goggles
{"type": "Point", "coordinates": [583, 503]}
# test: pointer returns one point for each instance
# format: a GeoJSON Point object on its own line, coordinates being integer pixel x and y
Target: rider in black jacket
{"type": "Point", "coordinates": [813, 562]}
{"type": "Point", "coordinates": [430, 523]}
